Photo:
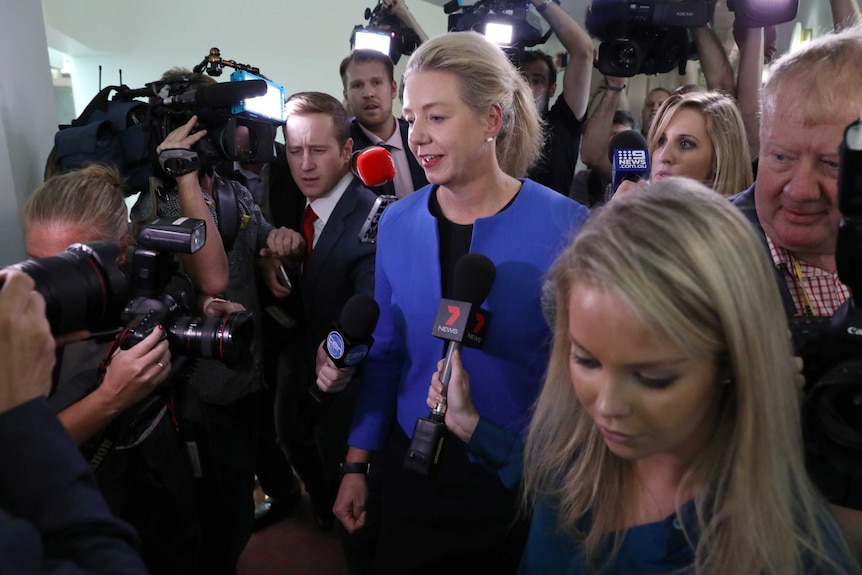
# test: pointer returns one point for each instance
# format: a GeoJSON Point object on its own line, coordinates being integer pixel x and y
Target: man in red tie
{"type": "Point", "coordinates": [337, 265]}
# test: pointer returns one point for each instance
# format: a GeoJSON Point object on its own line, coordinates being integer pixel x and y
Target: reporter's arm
{"type": "Point", "coordinates": [749, 78]}
{"type": "Point", "coordinates": [400, 9]}
{"type": "Point", "coordinates": [845, 13]}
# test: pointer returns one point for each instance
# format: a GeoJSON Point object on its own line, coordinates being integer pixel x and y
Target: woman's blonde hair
{"type": "Point", "coordinates": [487, 77]}
{"type": "Point", "coordinates": [688, 264]}
{"type": "Point", "coordinates": [731, 161]}
{"type": "Point", "coordinates": [91, 197]}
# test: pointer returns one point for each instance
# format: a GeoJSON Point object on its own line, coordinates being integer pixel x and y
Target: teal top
{"type": "Point", "coordinates": [659, 547]}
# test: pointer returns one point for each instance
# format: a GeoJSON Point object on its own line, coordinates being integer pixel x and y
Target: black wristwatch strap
{"type": "Point", "coordinates": [346, 467]}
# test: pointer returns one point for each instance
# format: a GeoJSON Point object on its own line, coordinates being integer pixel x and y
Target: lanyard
{"type": "Point", "coordinates": [806, 301]}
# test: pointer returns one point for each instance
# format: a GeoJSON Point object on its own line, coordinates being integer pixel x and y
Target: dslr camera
{"type": "Point", "coordinates": [88, 287]}
{"type": "Point", "coordinates": [831, 347]}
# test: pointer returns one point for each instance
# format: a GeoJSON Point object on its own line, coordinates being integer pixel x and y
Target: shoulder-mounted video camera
{"type": "Point", "coordinates": [89, 287]}
{"type": "Point", "coordinates": [122, 126]}
{"type": "Point", "coordinates": [831, 347]}
{"type": "Point", "coordinates": [385, 33]}
{"type": "Point", "coordinates": [645, 36]}
{"type": "Point", "coordinates": [511, 24]}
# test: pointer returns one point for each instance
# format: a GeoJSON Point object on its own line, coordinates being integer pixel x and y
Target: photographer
{"type": "Point", "coordinates": [52, 517]}
{"type": "Point", "coordinates": [151, 486]}
{"type": "Point", "coordinates": [228, 395]}
{"type": "Point", "coordinates": [794, 201]}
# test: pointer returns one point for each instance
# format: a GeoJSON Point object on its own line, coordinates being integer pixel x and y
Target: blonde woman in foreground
{"type": "Point", "coordinates": [667, 437]}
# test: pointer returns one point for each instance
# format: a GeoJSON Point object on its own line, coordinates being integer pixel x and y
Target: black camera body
{"type": "Point", "coordinates": [88, 287]}
{"type": "Point", "coordinates": [645, 36]}
{"type": "Point", "coordinates": [831, 348]}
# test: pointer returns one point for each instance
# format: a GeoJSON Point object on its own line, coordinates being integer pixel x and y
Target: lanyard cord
{"type": "Point", "coordinates": [806, 301]}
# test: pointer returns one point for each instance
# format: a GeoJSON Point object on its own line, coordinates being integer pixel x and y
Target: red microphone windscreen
{"type": "Point", "coordinates": [374, 166]}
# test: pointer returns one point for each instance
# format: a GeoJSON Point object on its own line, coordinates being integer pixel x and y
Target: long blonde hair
{"type": "Point", "coordinates": [690, 265]}
{"type": "Point", "coordinates": [487, 77]}
{"type": "Point", "coordinates": [731, 160]}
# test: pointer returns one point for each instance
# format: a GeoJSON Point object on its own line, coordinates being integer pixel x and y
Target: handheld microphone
{"type": "Point", "coordinates": [373, 165]}
{"type": "Point", "coordinates": [629, 157]}
{"type": "Point", "coordinates": [221, 95]}
{"type": "Point", "coordinates": [349, 340]}
{"type": "Point", "coordinates": [460, 322]}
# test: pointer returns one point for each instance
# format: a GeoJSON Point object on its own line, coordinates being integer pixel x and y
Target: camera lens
{"type": "Point", "coordinates": [84, 287]}
{"type": "Point", "coordinates": [228, 339]}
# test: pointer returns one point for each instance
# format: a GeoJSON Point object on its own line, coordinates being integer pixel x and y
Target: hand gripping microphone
{"type": "Point", "coordinates": [373, 165]}
{"type": "Point", "coordinates": [349, 340]}
{"type": "Point", "coordinates": [629, 157]}
{"type": "Point", "coordinates": [459, 321]}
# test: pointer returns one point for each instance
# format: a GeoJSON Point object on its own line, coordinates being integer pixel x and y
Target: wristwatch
{"type": "Point", "coordinates": [346, 467]}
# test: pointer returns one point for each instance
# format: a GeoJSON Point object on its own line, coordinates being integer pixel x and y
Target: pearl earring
{"type": "Point", "coordinates": [489, 139]}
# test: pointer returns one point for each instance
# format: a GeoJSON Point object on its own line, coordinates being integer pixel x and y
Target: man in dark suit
{"type": "Point", "coordinates": [370, 88]}
{"type": "Point", "coordinates": [324, 201]}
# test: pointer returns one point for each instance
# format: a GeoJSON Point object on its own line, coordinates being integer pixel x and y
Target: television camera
{"type": "Point", "coordinates": [120, 128]}
{"type": "Point", "coordinates": [644, 36]}
{"type": "Point", "coordinates": [385, 33]}
{"type": "Point", "coordinates": [512, 24]}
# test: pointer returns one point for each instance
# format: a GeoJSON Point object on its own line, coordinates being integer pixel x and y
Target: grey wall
{"type": "Point", "coordinates": [27, 112]}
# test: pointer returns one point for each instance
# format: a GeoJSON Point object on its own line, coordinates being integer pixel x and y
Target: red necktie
{"type": "Point", "coordinates": [308, 219]}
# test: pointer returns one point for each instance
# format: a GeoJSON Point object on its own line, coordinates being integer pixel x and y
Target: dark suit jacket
{"type": "Point", "coordinates": [361, 141]}
{"type": "Point", "coordinates": [340, 265]}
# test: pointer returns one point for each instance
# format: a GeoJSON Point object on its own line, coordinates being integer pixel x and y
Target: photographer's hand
{"type": "Point", "coordinates": [131, 376]}
{"type": "Point", "coordinates": [26, 345]}
{"type": "Point", "coordinates": [218, 307]}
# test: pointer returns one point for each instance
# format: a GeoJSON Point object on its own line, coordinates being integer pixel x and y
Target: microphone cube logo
{"type": "Point", "coordinates": [335, 345]}
{"type": "Point", "coordinates": [632, 159]}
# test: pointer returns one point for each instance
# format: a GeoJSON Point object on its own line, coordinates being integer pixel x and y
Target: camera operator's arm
{"type": "Point", "coordinates": [208, 266]}
{"type": "Point", "coordinates": [576, 41]}
{"type": "Point", "coordinates": [26, 344]}
{"type": "Point", "coordinates": [749, 78]}
{"type": "Point", "coordinates": [713, 59]}
{"type": "Point", "coordinates": [399, 9]}
{"type": "Point", "coordinates": [597, 133]}
{"type": "Point", "coordinates": [845, 13]}
{"type": "Point", "coordinates": [131, 376]}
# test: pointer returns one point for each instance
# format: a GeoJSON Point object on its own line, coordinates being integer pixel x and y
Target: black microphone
{"type": "Point", "coordinates": [349, 340]}
{"type": "Point", "coordinates": [220, 95]}
{"type": "Point", "coordinates": [629, 157]}
{"type": "Point", "coordinates": [461, 322]}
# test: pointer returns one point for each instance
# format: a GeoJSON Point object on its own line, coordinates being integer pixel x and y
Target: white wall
{"type": "Point", "coordinates": [297, 44]}
{"type": "Point", "coordinates": [27, 111]}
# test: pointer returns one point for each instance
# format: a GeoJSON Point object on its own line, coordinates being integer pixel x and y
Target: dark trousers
{"type": "Point", "coordinates": [226, 502]}
{"type": "Point", "coordinates": [463, 520]}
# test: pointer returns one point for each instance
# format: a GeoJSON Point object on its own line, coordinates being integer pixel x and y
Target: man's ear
{"type": "Point", "coordinates": [552, 90]}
